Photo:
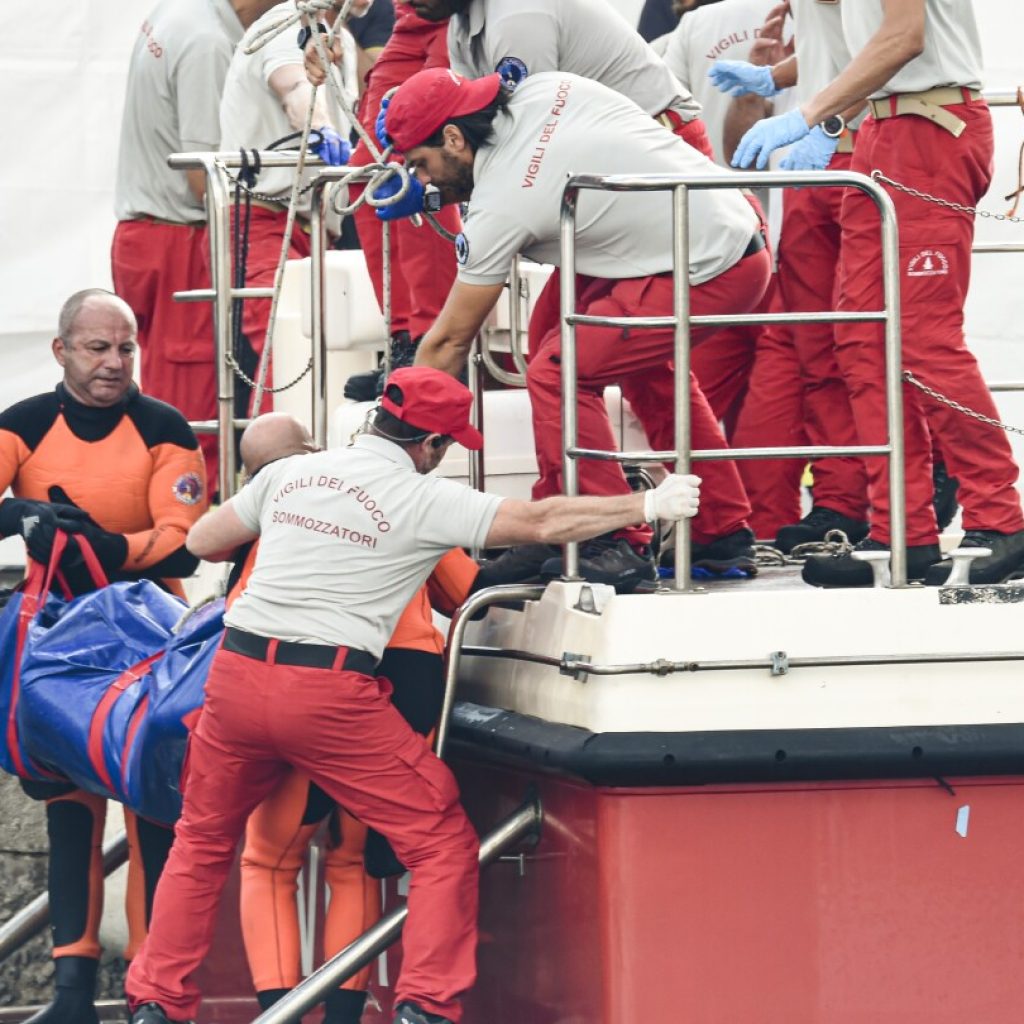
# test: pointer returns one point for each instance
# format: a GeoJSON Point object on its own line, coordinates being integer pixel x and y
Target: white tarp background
{"type": "Point", "coordinates": [62, 82]}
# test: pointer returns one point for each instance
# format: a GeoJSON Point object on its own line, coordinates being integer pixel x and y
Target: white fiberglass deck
{"type": "Point", "coordinates": [745, 621]}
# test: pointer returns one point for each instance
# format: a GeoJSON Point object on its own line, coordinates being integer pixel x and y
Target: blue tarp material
{"type": "Point", "coordinates": [154, 759]}
{"type": "Point", "coordinates": [78, 669]}
{"type": "Point", "coordinates": [108, 693]}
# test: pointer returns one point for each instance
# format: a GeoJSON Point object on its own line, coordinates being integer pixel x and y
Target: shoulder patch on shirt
{"type": "Point", "coordinates": [461, 248]}
{"type": "Point", "coordinates": [188, 489]}
{"type": "Point", "coordinates": [512, 71]}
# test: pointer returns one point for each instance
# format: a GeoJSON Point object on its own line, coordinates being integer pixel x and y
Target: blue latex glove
{"type": "Point", "coordinates": [738, 78]}
{"type": "Point", "coordinates": [332, 148]}
{"type": "Point", "coordinates": [812, 153]}
{"type": "Point", "coordinates": [410, 203]}
{"type": "Point", "coordinates": [770, 134]}
{"type": "Point", "coordinates": [379, 129]}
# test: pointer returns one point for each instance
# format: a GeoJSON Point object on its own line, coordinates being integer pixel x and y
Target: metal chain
{"type": "Point", "coordinates": [947, 203]}
{"type": "Point", "coordinates": [246, 379]}
{"type": "Point", "coordinates": [281, 200]}
{"type": "Point", "coordinates": [945, 400]}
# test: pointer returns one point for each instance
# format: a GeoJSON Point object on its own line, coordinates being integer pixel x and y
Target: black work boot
{"type": "Point", "coordinates": [520, 564]}
{"type": "Point", "coordinates": [369, 385]}
{"type": "Point", "coordinates": [410, 1013]}
{"type": "Point", "coordinates": [344, 1006]}
{"type": "Point", "coordinates": [153, 1013]}
{"type": "Point", "coordinates": [609, 560]}
{"type": "Point", "coordinates": [1006, 561]}
{"type": "Point", "coordinates": [845, 571]}
{"type": "Point", "coordinates": [815, 525]}
{"type": "Point", "coordinates": [75, 979]}
{"type": "Point", "coordinates": [728, 557]}
{"type": "Point", "coordinates": [944, 491]}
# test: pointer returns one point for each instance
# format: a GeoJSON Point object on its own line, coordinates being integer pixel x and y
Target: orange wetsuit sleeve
{"type": "Point", "coordinates": [177, 498]}
{"type": "Point", "coordinates": [13, 452]}
{"type": "Point", "coordinates": [451, 581]}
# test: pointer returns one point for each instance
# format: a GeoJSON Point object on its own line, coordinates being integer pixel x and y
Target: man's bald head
{"type": "Point", "coordinates": [272, 436]}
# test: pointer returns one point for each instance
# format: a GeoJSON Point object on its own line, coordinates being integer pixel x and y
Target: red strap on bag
{"type": "Point", "coordinates": [37, 585]}
{"type": "Point", "coordinates": [102, 713]}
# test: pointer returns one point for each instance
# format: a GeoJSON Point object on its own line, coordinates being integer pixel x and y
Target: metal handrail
{"type": "Point", "coordinates": [575, 665]}
{"type": "Point", "coordinates": [34, 916]}
{"type": "Point", "coordinates": [681, 320]}
{"type": "Point", "coordinates": [523, 822]}
{"type": "Point", "coordinates": [515, 296]}
{"type": "Point", "coordinates": [457, 631]}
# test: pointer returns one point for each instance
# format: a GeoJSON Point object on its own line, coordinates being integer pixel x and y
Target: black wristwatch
{"type": "Point", "coordinates": [305, 33]}
{"type": "Point", "coordinates": [833, 126]}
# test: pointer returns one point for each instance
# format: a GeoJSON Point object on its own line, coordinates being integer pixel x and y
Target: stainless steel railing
{"type": "Point", "coordinates": [525, 821]}
{"type": "Point", "coordinates": [682, 320]}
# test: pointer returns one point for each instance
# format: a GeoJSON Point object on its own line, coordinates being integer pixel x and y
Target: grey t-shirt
{"type": "Point", "coordinates": [559, 124]}
{"type": "Point", "coordinates": [585, 37]}
{"type": "Point", "coordinates": [175, 79]}
{"type": "Point", "coordinates": [952, 45]}
{"type": "Point", "coordinates": [347, 537]}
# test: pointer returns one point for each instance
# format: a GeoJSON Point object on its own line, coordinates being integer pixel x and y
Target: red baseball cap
{"type": "Point", "coordinates": [430, 99]}
{"type": "Point", "coordinates": [434, 401]}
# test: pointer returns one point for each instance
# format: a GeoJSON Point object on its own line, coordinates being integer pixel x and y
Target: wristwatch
{"type": "Point", "coordinates": [833, 126]}
{"type": "Point", "coordinates": [305, 33]}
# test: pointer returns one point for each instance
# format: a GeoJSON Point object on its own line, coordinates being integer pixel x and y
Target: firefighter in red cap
{"type": "Point", "coordinates": [347, 536]}
{"type": "Point", "coordinates": [511, 154]}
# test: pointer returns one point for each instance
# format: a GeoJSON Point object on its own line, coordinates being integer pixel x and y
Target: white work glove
{"type": "Point", "coordinates": [676, 497]}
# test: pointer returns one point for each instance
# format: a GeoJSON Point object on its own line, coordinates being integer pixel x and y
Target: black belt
{"type": "Point", "coordinates": [347, 659]}
{"type": "Point", "coordinates": [756, 244]}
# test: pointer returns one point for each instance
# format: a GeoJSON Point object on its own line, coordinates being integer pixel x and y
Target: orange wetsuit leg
{"type": "Point", "coordinates": [276, 837]}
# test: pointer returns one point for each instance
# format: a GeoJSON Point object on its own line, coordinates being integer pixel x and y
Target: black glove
{"type": "Point", "coordinates": [111, 548]}
{"type": "Point", "coordinates": [38, 522]}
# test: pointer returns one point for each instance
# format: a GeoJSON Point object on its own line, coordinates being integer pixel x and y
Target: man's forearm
{"type": "Point", "coordinates": [895, 44]}
{"type": "Point", "coordinates": [580, 518]}
{"type": "Point", "coordinates": [443, 353]}
{"type": "Point", "coordinates": [786, 74]}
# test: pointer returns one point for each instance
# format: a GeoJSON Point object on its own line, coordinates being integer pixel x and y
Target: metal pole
{"type": "Point", "coordinates": [218, 207]}
{"type": "Point", "coordinates": [475, 376]}
{"type": "Point", "coordinates": [457, 631]}
{"type": "Point", "coordinates": [893, 389]}
{"type": "Point", "coordinates": [570, 471]}
{"type": "Point", "coordinates": [318, 341]}
{"type": "Point", "coordinates": [307, 994]}
{"type": "Point", "coordinates": [35, 916]}
{"type": "Point", "coordinates": [681, 313]}
{"type": "Point", "coordinates": [515, 339]}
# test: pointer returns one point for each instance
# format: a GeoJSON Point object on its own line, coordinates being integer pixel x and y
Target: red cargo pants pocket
{"type": "Point", "coordinates": [439, 788]}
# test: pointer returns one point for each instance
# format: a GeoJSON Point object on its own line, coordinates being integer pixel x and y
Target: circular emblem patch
{"type": "Point", "coordinates": [188, 489]}
{"type": "Point", "coordinates": [512, 71]}
{"type": "Point", "coordinates": [461, 248]}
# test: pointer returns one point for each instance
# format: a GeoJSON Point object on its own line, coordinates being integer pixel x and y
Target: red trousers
{"type": "Point", "coordinates": [808, 277]}
{"type": "Point", "coordinates": [260, 720]}
{"type": "Point", "coordinates": [772, 416]}
{"type": "Point", "coordinates": [611, 356]}
{"type": "Point", "coordinates": [266, 233]}
{"type": "Point", "coordinates": [934, 268]}
{"type": "Point", "coordinates": [422, 262]}
{"type": "Point", "coordinates": [150, 261]}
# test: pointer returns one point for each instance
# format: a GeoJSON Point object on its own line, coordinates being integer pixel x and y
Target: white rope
{"type": "Point", "coordinates": [382, 169]}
